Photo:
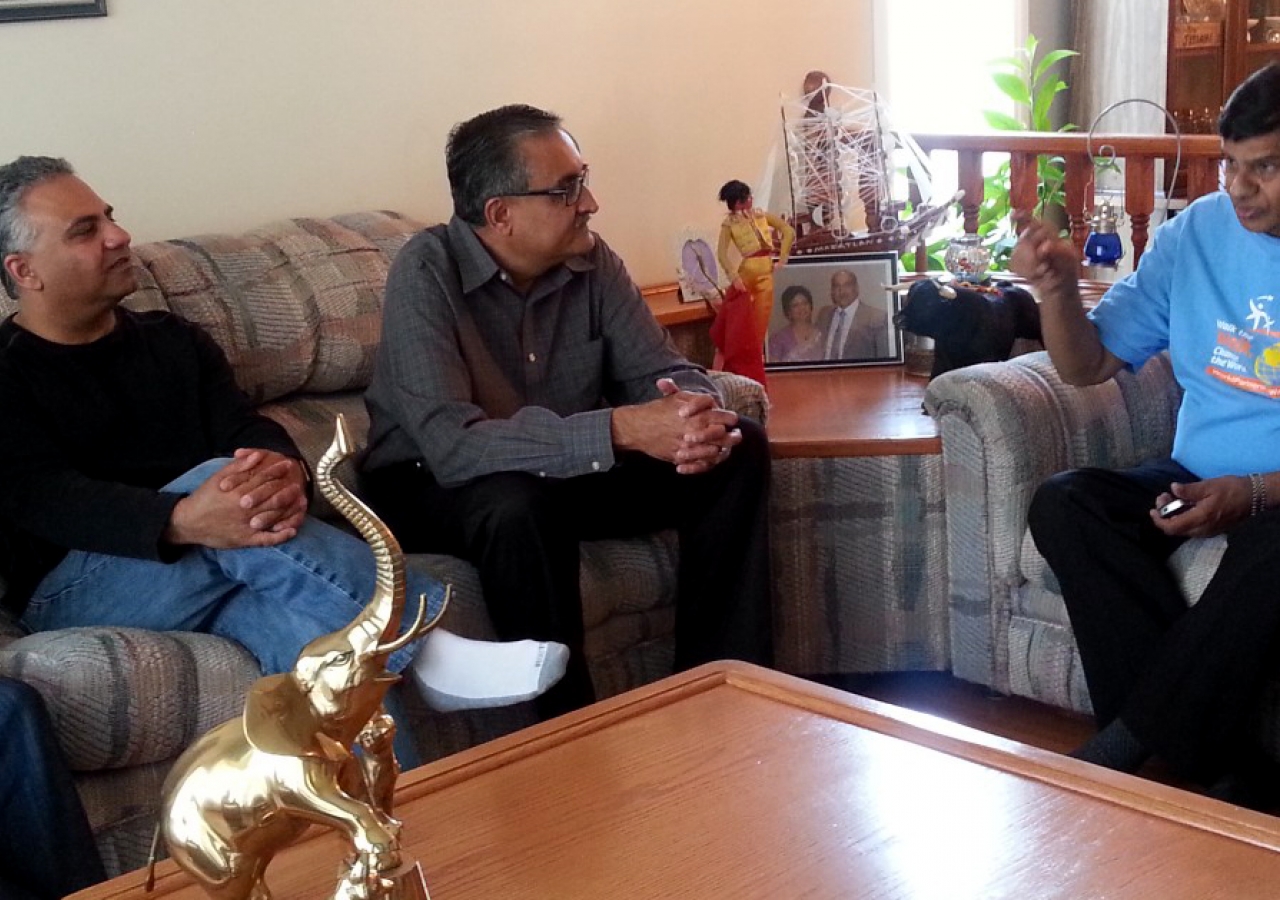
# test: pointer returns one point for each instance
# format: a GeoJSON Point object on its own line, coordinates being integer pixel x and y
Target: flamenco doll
{"type": "Point", "coordinates": [750, 231]}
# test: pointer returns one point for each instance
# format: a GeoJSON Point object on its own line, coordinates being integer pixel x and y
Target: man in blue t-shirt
{"type": "Point", "coordinates": [1166, 680]}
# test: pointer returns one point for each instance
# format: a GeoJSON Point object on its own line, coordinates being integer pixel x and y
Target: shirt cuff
{"type": "Point", "coordinates": [593, 441]}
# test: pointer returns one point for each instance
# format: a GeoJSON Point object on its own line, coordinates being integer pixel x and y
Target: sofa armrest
{"type": "Point", "coordinates": [1005, 428]}
{"type": "Point", "coordinates": [121, 697]}
{"type": "Point", "coordinates": [743, 395]}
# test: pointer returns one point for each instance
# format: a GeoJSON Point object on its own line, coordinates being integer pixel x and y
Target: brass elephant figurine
{"type": "Point", "coordinates": [313, 745]}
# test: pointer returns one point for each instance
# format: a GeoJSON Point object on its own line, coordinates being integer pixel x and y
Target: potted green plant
{"type": "Point", "coordinates": [1032, 83]}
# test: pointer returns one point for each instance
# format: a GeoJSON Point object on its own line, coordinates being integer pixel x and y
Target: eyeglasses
{"type": "Point", "coordinates": [571, 192]}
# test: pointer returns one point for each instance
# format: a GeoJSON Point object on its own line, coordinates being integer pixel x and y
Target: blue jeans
{"type": "Point", "coordinates": [270, 600]}
{"type": "Point", "coordinates": [48, 851]}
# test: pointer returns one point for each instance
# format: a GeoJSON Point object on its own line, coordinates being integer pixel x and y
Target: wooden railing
{"type": "Point", "coordinates": [1198, 172]}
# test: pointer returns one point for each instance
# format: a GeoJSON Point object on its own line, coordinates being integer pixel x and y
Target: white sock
{"type": "Point", "coordinates": [458, 673]}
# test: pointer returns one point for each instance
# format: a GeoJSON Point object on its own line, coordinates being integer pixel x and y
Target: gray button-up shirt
{"type": "Point", "coordinates": [474, 378]}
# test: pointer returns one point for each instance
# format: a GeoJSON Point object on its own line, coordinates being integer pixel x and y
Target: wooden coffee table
{"type": "Point", "coordinates": [731, 781]}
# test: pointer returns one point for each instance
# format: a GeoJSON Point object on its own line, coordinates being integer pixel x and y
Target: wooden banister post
{"type": "Point", "coordinates": [969, 179]}
{"type": "Point", "coordinates": [1024, 181]}
{"type": "Point", "coordinates": [1079, 197]}
{"type": "Point", "coordinates": [1202, 176]}
{"type": "Point", "coordinates": [1139, 199]}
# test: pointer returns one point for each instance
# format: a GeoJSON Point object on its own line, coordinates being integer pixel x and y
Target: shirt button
{"type": "Point", "coordinates": [533, 357]}
{"type": "Point", "coordinates": [595, 466]}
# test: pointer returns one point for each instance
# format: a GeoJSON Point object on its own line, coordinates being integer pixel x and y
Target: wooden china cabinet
{"type": "Point", "coordinates": [1213, 46]}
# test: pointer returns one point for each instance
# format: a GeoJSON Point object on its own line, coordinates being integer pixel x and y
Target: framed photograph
{"type": "Point", "coordinates": [28, 10]}
{"type": "Point", "coordinates": [834, 311]}
{"type": "Point", "coordinates": [696, 267]}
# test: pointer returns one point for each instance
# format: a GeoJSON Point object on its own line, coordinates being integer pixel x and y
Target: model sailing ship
{"type": "Point", "coordinates": [840, 147]}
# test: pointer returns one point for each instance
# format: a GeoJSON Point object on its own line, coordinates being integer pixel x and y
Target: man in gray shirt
{"type": "Point", "coordinates": [525, 399]}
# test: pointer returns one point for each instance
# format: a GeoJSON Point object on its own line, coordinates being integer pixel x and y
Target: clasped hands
{"type": "Point", "coordinates": [259, 499]}
{"type": "Point", "coordinates": [684, 428]}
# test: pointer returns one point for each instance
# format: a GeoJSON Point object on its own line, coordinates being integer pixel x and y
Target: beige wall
{"type": "Point", "coordinates": [202, 115]}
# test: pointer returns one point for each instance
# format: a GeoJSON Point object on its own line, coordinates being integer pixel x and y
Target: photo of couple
{"type": "Point", "coordinates": [834, 311]}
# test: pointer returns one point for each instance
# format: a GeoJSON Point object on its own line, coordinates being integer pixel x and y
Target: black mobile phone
{"type": "Point", "coordinates": [1174, 507]}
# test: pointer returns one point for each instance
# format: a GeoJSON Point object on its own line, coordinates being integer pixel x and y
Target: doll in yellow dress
{"type": "Point", "coordinates": [750, 231]}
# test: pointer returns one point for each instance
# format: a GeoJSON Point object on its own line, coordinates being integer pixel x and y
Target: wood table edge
{"type": "Point", "coordinates": [1063, 772]}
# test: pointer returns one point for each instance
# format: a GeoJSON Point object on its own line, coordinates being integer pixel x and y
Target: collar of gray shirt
{"type": "Point", "coordinates": [477, 268]}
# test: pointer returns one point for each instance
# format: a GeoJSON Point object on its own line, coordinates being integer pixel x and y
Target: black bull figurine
{"type": "Point", "coordinates": [969, 323]}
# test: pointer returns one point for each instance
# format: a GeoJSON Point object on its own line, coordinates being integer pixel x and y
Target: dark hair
{"type": "Point", "coordinates": [734, 192]}
{"type": "Point", "coordinates": [484, 160]}
{"type": "Point", "coordinates": [1253, 109]}
{"type": "Point", "coordinates": [789, 297]}
{"type": "Point", "coordinates": [16, 232]}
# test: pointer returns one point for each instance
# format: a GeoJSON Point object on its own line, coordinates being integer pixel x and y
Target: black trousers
{"type": "Point", "coordinates": [1185, 681]}
{"type": "Point", "coordinates": [521, 532]}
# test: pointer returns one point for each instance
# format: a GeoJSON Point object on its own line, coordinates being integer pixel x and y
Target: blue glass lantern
{"type": "Point", "coordinates": [1103, 247]}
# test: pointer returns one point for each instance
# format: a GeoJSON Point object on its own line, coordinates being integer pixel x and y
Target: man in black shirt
{"type": "Point", "coordinates": [139, 487]}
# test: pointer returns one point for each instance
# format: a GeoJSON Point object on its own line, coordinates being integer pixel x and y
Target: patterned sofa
{"type": "Point", "coordinates": [297, 307]}
{"type": "Point", "coordinates": [1005, 428]}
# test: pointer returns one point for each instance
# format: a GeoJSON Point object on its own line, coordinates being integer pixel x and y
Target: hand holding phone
{"type": "Point", "coordinates": [1174, 507]}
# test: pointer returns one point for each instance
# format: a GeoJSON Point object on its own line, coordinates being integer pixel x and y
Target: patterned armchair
{"type": "Point", "coordinates": [1005, 428]}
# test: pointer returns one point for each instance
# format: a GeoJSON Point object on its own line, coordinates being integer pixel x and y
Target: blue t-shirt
{"type": "Point", "coordinates": [1206, 290]}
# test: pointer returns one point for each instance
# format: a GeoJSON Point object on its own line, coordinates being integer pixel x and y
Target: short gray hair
{"type": "Point", "coordinates": [484, 160]}
{"type": "Point", "coordinates": [16, 232]}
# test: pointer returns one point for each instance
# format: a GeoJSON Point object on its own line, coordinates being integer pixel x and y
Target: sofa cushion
{"type": "Point", "coordinates": [1039, 597]}
{"type": "Point", "coordinates": [296, 305]}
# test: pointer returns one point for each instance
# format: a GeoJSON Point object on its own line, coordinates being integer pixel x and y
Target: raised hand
{"type": "Point", "coordinates": [1049, 262]}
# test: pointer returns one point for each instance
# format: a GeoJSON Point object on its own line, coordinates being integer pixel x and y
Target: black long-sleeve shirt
{"type": "Point", "coordinates": [89, 433]}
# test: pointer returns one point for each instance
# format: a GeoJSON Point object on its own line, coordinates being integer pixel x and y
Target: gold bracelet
{"type": "Point", "coordinates": [1257, 494]}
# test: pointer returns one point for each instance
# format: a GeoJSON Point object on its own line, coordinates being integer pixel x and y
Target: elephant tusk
{"type": "Point", "coordinates": [418, 628]}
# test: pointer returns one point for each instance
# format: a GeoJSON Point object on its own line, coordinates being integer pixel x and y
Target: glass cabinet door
{"type": "Point", "coordinates": [1197, 63]}
{"type": "Point", "coordinates": [1261, 44]}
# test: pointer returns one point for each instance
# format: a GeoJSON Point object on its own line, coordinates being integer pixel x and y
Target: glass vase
{"type": "Point", "coordinates": [967, 259]}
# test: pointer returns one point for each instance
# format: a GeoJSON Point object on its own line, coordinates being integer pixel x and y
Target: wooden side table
{"type": "Point", "coordinates": [688, 323]}
{"type": "Point", "coordinates": [857, 523]}
{"type": "Point", "coordinates": [857, 515]}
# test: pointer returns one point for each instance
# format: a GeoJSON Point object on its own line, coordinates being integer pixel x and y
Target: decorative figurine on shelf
{"type": "Point", "coordinates": [823, 192]}
{"type": "Point", "coordinates": [733, 329]}
{"type": "Point", "coordinates": [313, 746]}
{"type": "Point", "coordinates": [739, 346]}
{"type": "Point", "coordinates": [967, 258]}
{"type": "Point", "coordinates": [843, 159]}
{"type": "Point", "coordinates": [969, 323]}
{"type": "Point", "coordinates": [750, 232]}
